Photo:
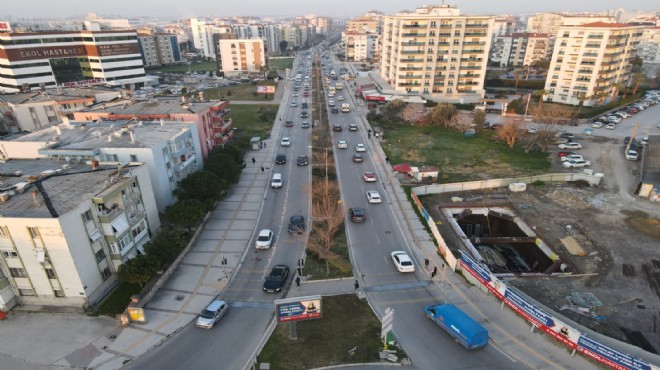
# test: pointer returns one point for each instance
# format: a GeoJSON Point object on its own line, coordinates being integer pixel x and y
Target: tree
{"type": "Point", "coordinates": [225, 166]}
{"type": "Point", "coordinates": [542, 139]}
{"type": "Point", "coordinates": [166, 246]}
{"type": "Point", "coordinates": [204, 186]}
{"type": "Point", "coordinates": [638, 78]}
{"type": "Point", "coordinates": [441, 115]}
{"type": "Point", "coordinates": [328, 216]}
{"type": "Point", "coordinates": [138, 270]}
{"type": "Point", "coordinates": [478, 119]}
{"type": "Point", "coordinates": [283, 46]}
{"type": "Point", "coordinates": [413, 113]}
{"type": "Point", "coordinates": [186, 212]}
{"type": "Point", "coordinates": [540, 94]}
{"type": "Point", "coordinates": [510, 133]}
{"type": "Point", "coordinates": [391, 112]}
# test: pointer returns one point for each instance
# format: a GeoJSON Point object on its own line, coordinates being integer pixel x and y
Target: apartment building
{"type": "Point", "coordinates": [66, 228]}
{"type": "Point", "coordinates": [159, 49]}
{"type": "Point", "coordinates": [202, 35]}
{"type": "Point", "coordinates": [590, 61]}
{"type": "Point", "coordinates": [360, 46]}
{"type": "Point", "coordinates": [72, 58]}
{"type": "Point", "coordinates": [240, 56]}
{"type": "Point", "coordinates": [170, 150]}
{"type": "Point", "coordinates": [364, 24]}
{"type": "Point", "coordinates": [436, 52]}
{"type": "Point", "coordinates": [549, 23]}
{"type": "Point", "coordinates": [649, 46]}
{"type": "Point", "coordinates": [505, 25]}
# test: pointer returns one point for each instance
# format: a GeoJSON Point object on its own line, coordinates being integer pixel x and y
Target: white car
{"type": "Point", "coordinates": [570, 146]}
{"type": "Point", "coordinates": [610, 126]}
{"type": "Point", "coordinates": [576, 163]}
{"type": "Point", "coordinates": [294, 103]}
{"type": "Point", "coordinates": [369, 177]}
{"type": "Point", "coordinates": [373, 196]}
{"type": "Point", "coordinates": [360, 148]}
{"type": "Point", "coordinates": [571, 157]}
{"type": "Point", "coordinates": [597, 125]}
{"type": "Point", "coordinates": [632, 155]}
{"type": "Point", "coordinates": [342, 144]}
{"type": "Point", "coordinates": [264, 239]}
{"type": "Point", "coordinates": [285, 141]}
{"type": "Point", "coordinates": [340, 97]}
{"type": "Point", "coordinates": [533, 130]}
{"type": "Point", "coordinates": [402, 261]}
{"type": "Point", "coordinates": [295, 93]}
{"type": "Point", "coordinates": [211, 314]}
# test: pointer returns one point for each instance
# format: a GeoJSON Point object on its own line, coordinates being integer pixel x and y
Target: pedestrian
{"type": "Point", "coordinates": [387, 159]}
{"type": "Point", "coordinates": [357, 285]}
{"type": "Point", "coordinates": [434, 272]}
{"type": "Point", "coordinates": [298, 281]}
{"type": "Point", "coordinates": [254, 160]}
{"type": "Point", "coordinates": [262, 168]}
{"type": "Point", "coordinates": [265, 145]}
{"type": "Point", "coordinates": [369, 135]}
{"type": "Point", "coordinates": [261, 145]}
{"type": "Point", "coordinates": [426, 263]}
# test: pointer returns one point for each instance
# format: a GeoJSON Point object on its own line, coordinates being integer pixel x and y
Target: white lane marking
{"type": "Point", "coordinates": [503, 353]}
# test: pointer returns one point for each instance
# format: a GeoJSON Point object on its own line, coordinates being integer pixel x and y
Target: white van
{"type": "Point", "coordinates": [345, 108]}
{"type": "Point", "coordinates": [276, 182]}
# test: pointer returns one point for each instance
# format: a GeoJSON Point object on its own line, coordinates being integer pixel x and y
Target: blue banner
{"type": "Point", "coordinates": [474, 266]}
{"type": "Point", "coordinates": [615, 357]}
{"type": "Point", "coordinates": [529, 308]}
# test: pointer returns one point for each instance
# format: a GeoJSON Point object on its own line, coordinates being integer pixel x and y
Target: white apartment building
{"type": "Point", "coordinates": [360, 46]}
{"type": "Point", "coordinates": [550, 22]}
{"type": "Point", "coordinates": [202, 33]}
{"type": "Point", "coordinates": [520, 49]}
{"type": "Point", "coordinates": [66, 228]}
{"type": "Point", "coordinates": [589, 61]}
{"type": "Point", "coordinates": [505, 25]}
{"type": "Point", "coordinates": [649, 46]}
{"type": "Point", "coordinates": [240, 56]}
{"type": "Point", "coordinates": [436, 52]}
{"type": "Point", "coordinates": [169, 150]}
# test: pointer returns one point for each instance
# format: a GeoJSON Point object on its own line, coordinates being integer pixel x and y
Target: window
{"type": "Point", "coordinates": [111, 158]}
{"type": "Point", "coordinates": [51, 274]}
{"type": "Point", "coordinates": [106, 273]}
{"type": "Point", "coordinates": [133, 158]}
{"type": "Point", "coordinates": [87, 216]}
{"type": "Point", "coordinates": [58, 293]}
{"type": "Point", "coordinates": [10, 254]}
{"type": "Point", "coordinates": [34, 232]}
{"type": "Point", "coordinates": [4, 231]}
{"type": "Point", "coordinates": [26, 292]}
{"type": "Point", "coordinates": [100, 255]}
{"type": "Point", "coordinates": [17, 272]}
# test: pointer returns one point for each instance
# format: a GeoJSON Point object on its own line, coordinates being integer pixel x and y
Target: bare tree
{"type": "Point", "coordinates": [441, 115]}
{"type": "Point", "coordinates": [328, 219]}
{"type": "Point", "coordinates": [510, 133]}
{"type": "Point", "coordinates": [551, 114]}
{"type": "Point", "coordinates": [414, 113]}
{"type": "Point", "coordinates": [541, 139]}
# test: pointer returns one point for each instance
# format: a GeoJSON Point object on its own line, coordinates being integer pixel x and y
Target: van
{"type": "Point", "coordinates": [276, 182]}
{"type": "Point", "coordinates": [345, 108]}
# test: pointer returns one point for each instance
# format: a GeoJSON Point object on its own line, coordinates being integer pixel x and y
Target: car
{"type": "Point", "coordinates": [331, 103]}
{"type": "Point", "coordinates": [305, 105]}
{"type": "Point", "coordinates": [570, 146]}
{"type": "Point", "coordinates": [264, 239]}
{"type": "Point", "coordinates": [342, 144]}
{"type": "Point", "coordinates": [644, 141]}
{"type": "Point", "coordinates": [288, 123]}
{"type": "Point", "coordinates": [496, 126]}
{"type": "Point", "coordinates": [302, 160]}
{"type": "Point", "coordinates": [369, 177]}
{"type": "Point", "coordinates": [304, 114]}
{"type": "Point", "coordinates": [276, 279]}
{"type": "Point", "coordinates": [621, 114]}
{"type": "Point", "coordinates": [571, 157]}
{"type": "Point", "coordinates": [402, 261]}
{"type": "Point", "coordinates": [306, 93]}
{"type": "Point", "coordinates": [564, 153]}
{"type": "Point", "coordinates": [304, 124]}
{"type": "Point", "coordinates": [276, 182]}
{"type": "Point", "coordinates": [357, 214]}
{"type": "Point", "coordinates": [352, 127]}
{"type": "Point", "coordinates": [614, 119]}
{"type": "Point", "coordinates": [632, 155]}
{"type": "Point", "coordinates": [337, 127]}
{"type": "Point", "coordinates": [373, 196]}
{"type": "Point", "coordinates": [597, 124]}
{"type": "Point", "coordinates": [627, 139]}
{"type": "Point", "coordinates": [285, 141]}
{"type": "Point", "coordinates": [340, 97]}
{"type": "Point", "coordinates": [576, 163]}
{"type": "Point", "coordinates": [295, 93]}
{"type": "Point", "coordinates": [358, 158]}
{"type": "Point", "coordinates": [562, 140]}
{"type": "Point", "coordinates": [533, 130]}
{"type": "Point", "coordinates": [360, 148]}
{"type": "Point", "coordinates": [335, 110]}
{"type": "Point", "coordinates": [280, 159]}
{"type": "Point", "coordinates": [566, 135]}
{"type": "Point", "coordinates": [212, 314]}
{"type": "Point", "coordinates": [297, 224]}
{"type": "Point", "coordinates": [610, 126]}
{"type": "Point", "coordinates": [294, 103]}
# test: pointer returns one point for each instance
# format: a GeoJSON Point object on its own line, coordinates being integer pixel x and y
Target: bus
{"type": "Point", "coordinates": [345, 108]}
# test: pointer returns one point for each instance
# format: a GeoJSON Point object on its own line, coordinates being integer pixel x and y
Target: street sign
{"type": "Point", "coordinates": [387, 322]}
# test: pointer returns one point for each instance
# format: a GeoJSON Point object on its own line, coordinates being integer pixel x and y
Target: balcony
{"type": "Point", "coordinates": [412, 43]}
{"type": "Point", "coordinates": [475, 34]}
{"type": "Point", "coordinates": [444, 34]}
{"type": "Point", "coordinates": [474, 68]}
{"type": "Point", "coordinates": [445, 25]}
{"type": "Point", "coordinates": [413, 35]}
{"type": "Point", "coordinates": [414, 26]}
{"type": "Point", "coordinates": [179, 167]}
{"type": "Point", "coordinates": [476, 25]}
{"type": "Point", "coordinates": [412, 52]}
{"type": "Point", "coordinates": [590, 54]}
{"type": "Point", "coordinates": [410, 84]}
{"type": "Point", "coordinates": [585, 71]}
{"type": "Point", "coordinates": [471, 59]}
{"type": "Point", "coordinates": [595, 37]}
{"type": "Point", "coordinates": [469, 75]}
{"type": "Point", "coordinates": [465, 83]}
{"type": "Point", "coordinates": [474, 43]}
{"type": "Point", "coordinates": [410, 76]}
{"type": "Point", "coordinates": [411, 60]}
{"type": "Point", "coordinates": [473, 51]}
{"type": "Point", "coordinates": [136, 217]}
{"type": "Point", "coordinates": [108, 215]}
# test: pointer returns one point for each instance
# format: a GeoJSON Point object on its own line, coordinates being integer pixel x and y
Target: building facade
{"type": "Point", "coordinates": [649, 46]}
{"type": "Point", "coordinates": [360, 46]}
{"type": "Point", "coordinates": [527, 48]}
{"type": "Point", "coordinates": [50, 59]}
{"type": "Point", "coordinates": [590, 62]}
{"type": "Point", "coordinates": [240, 56]}
{"type": "Point", "coordinates": [159, 49]}
{"type": "Point", "coordinates": [550, 22]}
{"type": "Point", "coordinates": [436, 52]}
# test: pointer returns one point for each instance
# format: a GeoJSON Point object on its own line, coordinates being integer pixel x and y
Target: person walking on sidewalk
{"type": "Point", "coordinates": [426, 263]}
{"type": "Point", "coordinates": [298, 281]}
{"type": "Point", "coordinates": [357, 285]}
{"type": "Point", "coordinates": [254, 160]}
{"type": "Point", "coordinates": [262, 168]}
{"type": "Point", "coordinates": [434, 272]}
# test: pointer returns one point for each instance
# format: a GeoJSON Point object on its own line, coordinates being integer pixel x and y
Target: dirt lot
{"type": "Point", "coordinates": [621, 238]}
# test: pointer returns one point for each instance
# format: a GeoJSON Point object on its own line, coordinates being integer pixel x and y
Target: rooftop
{"type": "Point", "coordinates": [142, 108]}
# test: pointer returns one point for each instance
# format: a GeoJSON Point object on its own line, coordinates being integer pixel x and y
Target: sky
{"type": "Point", "coordinates": [278, 8]}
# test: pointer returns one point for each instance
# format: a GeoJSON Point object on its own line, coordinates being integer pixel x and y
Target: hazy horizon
{"type": "Point", "coordinates": [287, 8]}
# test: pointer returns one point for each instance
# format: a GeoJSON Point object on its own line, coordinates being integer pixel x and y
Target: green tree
{"type": "Point", "coordinates": [441, 115]}
{"type": "Point", "coordinates": [186, 212]}
{"type": "Point", "coordinates": [138, 270]}
{"type": "Point", "coordinates": [204, 186]}
{"type": "Point", "coordinates": [638, 78]}
{"type": "Point", "coordinates": [166, 246]}
{"type": "Point", "coordinates": [391, 111]}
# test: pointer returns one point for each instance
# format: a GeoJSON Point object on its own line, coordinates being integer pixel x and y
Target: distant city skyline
{"type": "Point", "coordinates": [287, 8]}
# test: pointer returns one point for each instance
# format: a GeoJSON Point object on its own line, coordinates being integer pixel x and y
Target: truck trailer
{"type": "Point", "coordinates": [459, 325]}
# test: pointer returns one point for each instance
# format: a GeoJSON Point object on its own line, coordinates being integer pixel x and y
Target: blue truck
{"type": "Point", "coordinates": [461, 326]}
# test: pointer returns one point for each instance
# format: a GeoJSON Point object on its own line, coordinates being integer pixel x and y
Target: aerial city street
{"type": "Point", "coordinates": [300, 186]}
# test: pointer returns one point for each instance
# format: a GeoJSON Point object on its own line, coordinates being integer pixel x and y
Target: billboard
{"type": "Point", "coordinates": [268, 89]}
{"type": "Point", "coordinates": [299, 308]}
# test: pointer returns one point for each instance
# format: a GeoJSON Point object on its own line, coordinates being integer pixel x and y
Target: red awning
{"type": "Point", "coordinates": [374, 98]}
{"type": "Point", "coordinates": [403, 167]}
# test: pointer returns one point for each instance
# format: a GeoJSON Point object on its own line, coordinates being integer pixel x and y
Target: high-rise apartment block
{"type": "Point", "coordinates": [159, 49]}
{"type": "Point", "coordinates": [239, 56]}
{"type": "Point", "coordinates": [436, 52]}
{"type": "Point", "coordinates": [520, 49]}
{"type": "Point", "coordinates": [590, 62]}
{"type": "Point", "coordinates": [550, 22]}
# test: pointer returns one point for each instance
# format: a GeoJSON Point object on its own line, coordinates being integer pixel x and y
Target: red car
{"type": "Point", "coordinates": [563, 154]}
{"type": "Point", "coordinates": [369, 177]}
{"type": "Point", "coordinates": [288, 123]}
{"type": "Point", "coordinates": [305, 93]}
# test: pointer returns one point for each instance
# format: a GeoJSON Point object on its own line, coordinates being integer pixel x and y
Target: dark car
{"type": "Point", "coordinates": [276, 279]}
{"type": "Point", "coordinates": [357, 215]}
{"type": "Point", "coordinates": [357, 157]}
{"type": "Point", "coordinates": [305, 105]}
{"type": "Point", "coordinates": [567, 135]}
{"type": "Point", "coordinates": [288, 123]}
{"type": "Point", "coordinates": [337, 127]}
{"type": "Point", "coordinates": [280, 159]}
{"type": "Point", "coordinates": [297, 224]}
{"type": "Point", "coordinates": [302, 160]}
{"type": "Point", "coordinates": [335, 110]}
{"type": "Point", "coordinates": [304, 114]}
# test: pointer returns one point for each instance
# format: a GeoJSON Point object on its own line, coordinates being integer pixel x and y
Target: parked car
{"type": "Point", "coordinates": [360, 148]}
{"type": "Point", "coordinates": [212, 314]}
{"type": "Point", "coordinates": [610, 126]}
{"type": "Point", "coordinates": [264, 239]}
{"type": "Point", "coordinates": [566, 135]}
{"type": "Point", "coordinates": [402, 261]}
{"type": "Point", "coordinates": [564, 153]}
{"type": "Point", "coordinates": [276, 279]}
{"type": "Point", "coordinates": [297, 224]}
{"type": "Point", "coordinates": [576, 163]}
{"type": "Point", "coordinates": [302, 160]}
{"type": "Point", "coordinates": [561, 140]}
{"type": "Point", "coordinates": [285, 141]}
{"type": "Point", "coordinates": [597, 124]}
{"type": "Point", "coordinates": [373, 196]}
{"type": "Point", "coordinates": [369, 177]}
{"type": "Point", "coordinates": [533, 130]}
{"type": "Point", "coordinates": [342, 144]}
{"type": "Point", "coordinates": [280, 159]}
{"type": "Point", "coordinates": [570, 146]}
{"type": "Point", "coordinates": [358, 158]}
{"type": "Point", "coordinates": [632, 155]}
{"type": "Point", "coordinates": [357, 214]}
{"type": "Point", "coordinates": [614, 119]}
{"type": "Point", "coordinates": [571, 157]}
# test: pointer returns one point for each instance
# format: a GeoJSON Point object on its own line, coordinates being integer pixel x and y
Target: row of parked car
{"type": "Point", "coordinates": [610, 120]}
